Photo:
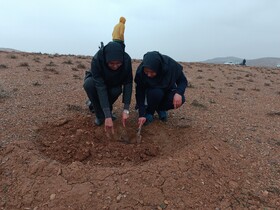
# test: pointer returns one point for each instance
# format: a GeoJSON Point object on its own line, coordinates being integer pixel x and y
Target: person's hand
{"type": "Point", "coordinates": [109, 125]}
{"type": "Point", "coordinates": [177, 100]}
{"type": "Point", "coordinates": [141, 121]}
{"type": "Point", "coordinates": [125, 116]}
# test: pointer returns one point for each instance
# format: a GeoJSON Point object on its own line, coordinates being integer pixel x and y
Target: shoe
{"type": "Point", "coordinates": [162, 115]}
{"type": "Point", "coordinates": [149, 119]}
{"type": "Point", "coordinates": [90, 106]}
{"type": "Point", "coordinates": [114, 117]}
{"type": "Point", "coordinates": [98, 121]}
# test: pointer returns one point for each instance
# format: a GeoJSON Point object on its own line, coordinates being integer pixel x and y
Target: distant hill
{"type": "Point", "coordinates": [263, 62]}
{"type": "Point", "coordinates": [8, 50]}
{"type": "Point", "coordinates": [222, 60]}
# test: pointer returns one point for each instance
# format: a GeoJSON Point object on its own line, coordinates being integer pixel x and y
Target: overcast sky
{"type": "Point", "coordinates": [187, 30]}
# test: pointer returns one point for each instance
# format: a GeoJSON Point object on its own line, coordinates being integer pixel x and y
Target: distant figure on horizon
{"type": "Point", "coordinates": [118, 32]}
{"type": "Point", "coordinates": [243, 62]}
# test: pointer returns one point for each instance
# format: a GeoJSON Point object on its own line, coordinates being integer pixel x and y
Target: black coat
{"type": "Point", "coordinates": [105, 78]}
{"type": "Point", "coordinates": [170, 76]}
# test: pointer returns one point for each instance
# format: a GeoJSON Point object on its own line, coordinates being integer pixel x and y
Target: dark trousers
{"type": "Point", "coordinates": [112, 92]}
{"type": "Point", "coordinates": [159, 100]}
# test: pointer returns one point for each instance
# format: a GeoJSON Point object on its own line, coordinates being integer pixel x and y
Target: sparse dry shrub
{"type": "Point", "coordinates": [81, 66]}
{"type": "Point", "coordinates": [3, 66]}
{"type": "Point", "coordinates": [24, 64]}
{"type": "Point", "coordinates": [275, 142]}
{"type": "Point", "coordinates": [190, 84]}
{"type": "Point", "coordinates": [36, 83]}
{"type": "Point", "coordinates": [76, 76]}
{"type": "Point", "coordinates": [37, 60]}
{"type": "Point", "coordinates": [3, 94]}
{"type": "Point", "coordinates": [82, 57]}
{"type": "Point", "coordinates": [51, 63]}
{"type": "Point", "coordinates": [256, 89]}
{"type": "Point", "coordinates": [53, 70]}
{"type": "Point", "coordinates": [13, 57]}
{"type": "Point", "coordinates": [71, 107]}
{"type": "Point", "coordinates": [266, 84]}
{"type": "Point", "coordinates": [198, 104]}
{"type": "Point", "coordinates": [273, 113]}
{"type": "Point", "coordinates": [68, 62]}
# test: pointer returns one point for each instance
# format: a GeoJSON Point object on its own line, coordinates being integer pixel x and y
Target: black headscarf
{"type": "Point", "coordinates": [167, 69]}
{"type": "Point", "coordinates": [113, 51]}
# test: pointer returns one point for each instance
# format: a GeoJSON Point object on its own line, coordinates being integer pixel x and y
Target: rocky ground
{"type": "Point", "coordinates": [220, 150]}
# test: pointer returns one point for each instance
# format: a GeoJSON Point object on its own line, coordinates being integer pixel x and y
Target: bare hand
{"type": "Point", "coordinates": [124, 118]}
{"type": "Point", "coordinates": [109, 125]}
{"type": "Point", "coordinates": [177, 100]}
{"type": "Point", "coordinates": [141, 121]}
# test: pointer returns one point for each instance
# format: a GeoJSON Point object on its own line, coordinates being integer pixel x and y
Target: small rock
{"type": "Point", "coordinates": [59, 171]}
{"type": "Point", "coordinates": [79, 132]}
{"type": "Point", "coordinates": [52, 196]}
{"type": "Point", "coordinates": [216, 148]}
{"type": "Point", "coordinates": [119, 197]}
{"type": "Point", "coordinates": [166, 202]}
{"type": "Point", "coordinates": [61, 122]}
{"type": "Point", "coordinates": [233, 184]}
{"type": "Point", "coordinates": [265, 193]}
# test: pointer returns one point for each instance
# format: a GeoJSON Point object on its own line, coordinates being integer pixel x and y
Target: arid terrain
{"type": "Point", "coordinates": [220, 150]}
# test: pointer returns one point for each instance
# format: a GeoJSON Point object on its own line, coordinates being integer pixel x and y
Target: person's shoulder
{"type": "Point", "coordinates": [127, 57]}
{"type": "Point", "coordinates": [99, 55]}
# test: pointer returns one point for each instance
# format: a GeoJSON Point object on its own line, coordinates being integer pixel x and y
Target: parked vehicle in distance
{"type": "Point", "coordinates": [229, 63]}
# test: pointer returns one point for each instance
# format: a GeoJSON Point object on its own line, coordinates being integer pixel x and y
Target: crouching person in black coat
{"type": "Point", "coordinates": [160, 86]}
{"type": "Point", "coordinates": [109, 77]}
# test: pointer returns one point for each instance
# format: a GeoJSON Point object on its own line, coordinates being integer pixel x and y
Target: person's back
{"type": "Point", "coordinates": [118, 32]}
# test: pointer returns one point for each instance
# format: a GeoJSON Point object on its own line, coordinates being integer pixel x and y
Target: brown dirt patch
{"type": "Point", "coordinates": [219, 151]}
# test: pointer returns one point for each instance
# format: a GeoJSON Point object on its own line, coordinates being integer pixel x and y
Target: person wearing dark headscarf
{"type": "Point", "coordinates": [109, 76]}
{"type": "Point", "coordinates": [160, 86]}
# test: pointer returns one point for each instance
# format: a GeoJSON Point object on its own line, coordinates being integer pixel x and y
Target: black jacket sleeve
{"type": "Point", "coordinates": [127, 86]}
{"type": "Point", "coordinates": [140, 95]}
{"type": "Point", "coordinates": [182, 84]}
{"type": "Point", "coordinates": [100, 87]}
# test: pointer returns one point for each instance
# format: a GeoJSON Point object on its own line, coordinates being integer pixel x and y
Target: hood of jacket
{"type": "Point", "coordinates": [122, 20]}
{"type": "Point", "coordinates": [167, 69]}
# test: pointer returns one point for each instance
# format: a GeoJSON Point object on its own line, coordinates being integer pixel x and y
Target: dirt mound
{"type": "Point", "coordinates": [79, 140]}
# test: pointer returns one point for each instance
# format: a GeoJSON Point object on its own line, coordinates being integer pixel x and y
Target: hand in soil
{"type": "Point", "coordinates": [109, 126]}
